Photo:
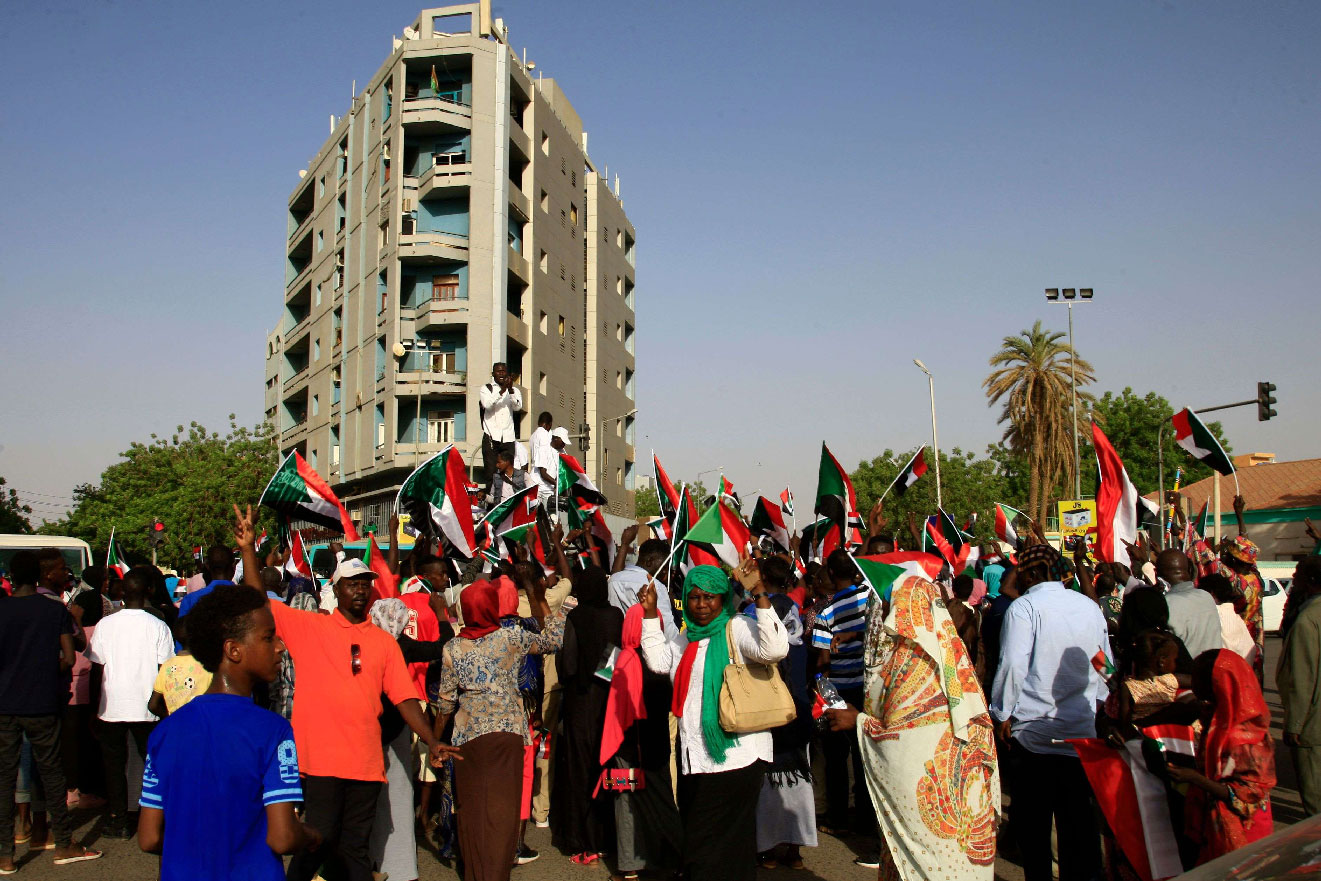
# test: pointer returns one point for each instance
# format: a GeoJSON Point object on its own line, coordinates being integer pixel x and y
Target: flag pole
{"type": "Point", "coordinates": [109, 546]}
{"type": "Point", "coordinates": [793, 512]}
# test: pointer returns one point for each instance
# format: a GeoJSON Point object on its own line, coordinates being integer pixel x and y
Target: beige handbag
{"type": "Point", "coordinates": [753, 696]}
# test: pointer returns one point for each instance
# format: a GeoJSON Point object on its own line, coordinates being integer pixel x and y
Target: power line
{"type": "Point", "coordinates": [30, 492]}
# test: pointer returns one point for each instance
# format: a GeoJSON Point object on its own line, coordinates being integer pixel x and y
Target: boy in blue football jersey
{"type": "Point", "coordinates": [220, 779]}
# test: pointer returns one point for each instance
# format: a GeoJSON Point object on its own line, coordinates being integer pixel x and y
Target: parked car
{"type": "Point", "coordinates": [1273, 597]}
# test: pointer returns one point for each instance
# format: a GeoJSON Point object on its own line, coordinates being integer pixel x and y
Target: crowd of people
{"type": "Point", "coordinates": [584, 687]}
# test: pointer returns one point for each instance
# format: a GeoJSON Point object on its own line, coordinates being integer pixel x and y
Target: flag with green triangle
{"type": "Point", "coordinates": [880, 576]}
{"type": "Point", "coordinates": [114, 561]}
{"type": "Point", "coordinates": [574, 482]}
{"type": "Point", "coordinates": [298, 492]}
{"type": "Point", "coordinates": [1201, 444]}
{"type": "Point", "coordinates": [435, 496]}
{"type": "Point", "coordinates": [837, 502]}
{"type": "Point", "coordinates": [723, 531]}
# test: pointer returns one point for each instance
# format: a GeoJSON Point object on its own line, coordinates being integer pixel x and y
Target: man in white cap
{"type": "Point", "coordinates": [344, 663]}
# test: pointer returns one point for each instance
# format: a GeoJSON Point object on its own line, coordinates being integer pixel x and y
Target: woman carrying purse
{"type": "Point", "coordinates": [720, 774]}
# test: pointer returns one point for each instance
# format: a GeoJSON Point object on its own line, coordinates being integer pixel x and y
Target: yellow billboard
{"type": "Point", "coordinates": [1077, 518]}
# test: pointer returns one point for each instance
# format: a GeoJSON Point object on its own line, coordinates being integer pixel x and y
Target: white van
{"type": "Point", "coordinates": [76, 552]}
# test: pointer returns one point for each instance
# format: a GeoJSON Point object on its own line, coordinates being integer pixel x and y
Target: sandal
{"type": "Point", "coordinates": [583, 859]}
{"type": "Point", "coordinates": [79, 858]}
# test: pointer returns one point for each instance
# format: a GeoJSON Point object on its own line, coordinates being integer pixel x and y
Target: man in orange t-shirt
{"type": "Point", "coordinates": [344, 663]}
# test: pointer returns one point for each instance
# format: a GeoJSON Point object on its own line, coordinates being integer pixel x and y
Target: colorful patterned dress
{"type": "Point", "coordinates": [927, 742]}
{"type": "Point", "coordinates": [1248, 585]}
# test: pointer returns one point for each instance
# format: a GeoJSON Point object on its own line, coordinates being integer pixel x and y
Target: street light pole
{"type": "Point", "coordinates": [935, 436]}
{"type": "Point", "coordinates": [1053, 296]}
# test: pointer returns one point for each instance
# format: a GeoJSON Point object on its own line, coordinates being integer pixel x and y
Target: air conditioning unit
{"type": "Point", "coordinates": [408, 205]}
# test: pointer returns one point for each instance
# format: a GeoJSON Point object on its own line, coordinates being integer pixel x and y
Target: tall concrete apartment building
{"type": "Point", "coordinates": [452, 219]}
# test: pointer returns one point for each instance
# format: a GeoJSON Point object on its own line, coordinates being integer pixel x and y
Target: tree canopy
{"type": "Point", "coordinates": [14, 515]}
{"type": "Point", "coordinates": [188, 481]}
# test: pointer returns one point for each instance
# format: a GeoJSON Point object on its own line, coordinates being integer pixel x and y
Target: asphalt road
{"type": "Point", "coordinates": [832, 859]}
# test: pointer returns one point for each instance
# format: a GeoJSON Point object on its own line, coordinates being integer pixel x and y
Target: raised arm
{"type": "Point", "coordinates": [392, 558]}
{"type": "Point", "coordinates": [245, 536]}
{"type": "Point", "coordinates": [1240, 505]}
{"type": "Point", "coordinates": [626, 540]}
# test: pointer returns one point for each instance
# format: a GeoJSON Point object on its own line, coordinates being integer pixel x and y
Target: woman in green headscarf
{"type": "Point", "coordinates": [720, 774]}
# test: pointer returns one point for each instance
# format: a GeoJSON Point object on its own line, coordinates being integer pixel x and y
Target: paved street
{"type": "Point", "coordinates": [833, 859]}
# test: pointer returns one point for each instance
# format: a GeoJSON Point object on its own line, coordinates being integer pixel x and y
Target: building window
{"type": "Point", "coordinates": [541, 322]}
{"type": "Point", "coordinates": [561, 325]}
{"type": "Point", "coordinates": [316, 349]}
{"type": "Point", "coordinates": [316, 404]}
{"type": "Point", "coordinates": [619, 428]}
{"type": "Point", "coordinates": [311, 457]}
{"type": "Point", "coordinates": [619, 332]}
{"type": "Point", "coordinates": [337, 325]}
{"type": "Point", "coordinates": [387, 100]}
{"type": "Point", "coordinates": [619, 476]}
{"type": "Point", "coordinates": [543, 261]}
{"type": "Point", "coordinates": [442, 362]}
{"type": "Point", "coordinates": [380, 426]}
{"type": "Point", "coordinates": [628, 338]}
{"type": "Point", "coordinates": [545, 201]}
{"type": "Point", "coordinates": [440, 427]}
{"type": "Point", "coordinates": [385, 163]}
{"type": "Point", "coordinates": [384, 238]}
{"type": "Point", "coordinates": [619, 285]}
{"type": "Point", "coordinates": [342, 162]}
{"type": "Point", "coordinates": [444, 287]}
{"type": "Point", "coordinates": [317, 295]}
{"type": "Point", "coordinates": [341, 213]}
{"type": "Point", "coordinates": [619, 238]}
{"type": "Point", "coordinates": [334, 454]}
{"type": "Point", "coordinates": [320, 241]}
{"type": "Point", "coordinates": [573, 218]}
{"type": "Point", "coordinates": [541, 380]}
{"type": "Point", "coordinates": [321, 186]}
{"type": "Point", "coordinates": [545, 143]}
{"type": "Point", "coordinates": [619, 379]}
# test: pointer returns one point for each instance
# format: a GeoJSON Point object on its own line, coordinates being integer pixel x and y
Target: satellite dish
{"type": "Point", "coordinates": [399, 350]}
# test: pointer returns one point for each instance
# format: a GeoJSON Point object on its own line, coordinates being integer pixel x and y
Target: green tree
{"type": "Point", "coordinates": [645, 503]}
{"type": "Point", "coordinates": [1032, 380]}
{"type": "Point", "coordinates": [968, 484]}
{"type": "Point", "coordinates": [14, 515]}
{"type": "Point", "coordinates": [187, 481]}
{"type": "Point", "coordinates": [1132, 424]}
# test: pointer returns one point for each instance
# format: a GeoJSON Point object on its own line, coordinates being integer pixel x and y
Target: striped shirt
{"type": "Point", "coordinates": [847, 613]}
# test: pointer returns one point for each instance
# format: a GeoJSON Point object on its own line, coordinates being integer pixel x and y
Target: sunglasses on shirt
{"type": "Point", "coordinates": [356, 651]}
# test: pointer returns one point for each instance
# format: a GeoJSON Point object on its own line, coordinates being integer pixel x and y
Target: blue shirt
{"type": "Point", "coordinates": [847, 613]}
{"type": "Point", "coordinates": [992, 574]}
{"type": "Point", "coordinates": [1046, 682]}
{"type": "Point", "coordinates": [213, 767]}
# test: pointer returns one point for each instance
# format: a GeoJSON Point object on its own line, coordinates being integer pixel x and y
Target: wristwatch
{"type": "Point", "coordinates": [756, 596]}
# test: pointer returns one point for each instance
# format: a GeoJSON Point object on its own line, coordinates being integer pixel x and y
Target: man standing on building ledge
{"type": "Point", "coordinates": [500, 401]}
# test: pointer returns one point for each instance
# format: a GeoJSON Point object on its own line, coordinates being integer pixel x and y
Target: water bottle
{"type": "Point", "coordinates": [828, 698]}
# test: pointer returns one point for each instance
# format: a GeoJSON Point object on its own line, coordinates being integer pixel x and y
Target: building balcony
{"type": "Point", "coordinates": [521, 203]}
{"type": "Point", "coordinates": [295, 383]}
{"type": "Point", "coordinates": [432, 246]}
{"type": "Point", "coordinates": [443, 112]}
{"type": "Point", "coordinates": [519, 266]}
{"type": "Point", "coordinates": [516, 329]}
{"type": "Point", "coordinates": [303, 277]}
{"type": "Point", "coordinates": [436, 314]}
{"type": "Point", "coordinates": [449, 176]}
{"type": "Point", "coordinates": [407, 382]}
{"type": "Point", "coordinates": [404, 453]}
{"type": "Point", "coordinates": [301, 230]}
{"type": "Point", "coordinates": [520, 140]}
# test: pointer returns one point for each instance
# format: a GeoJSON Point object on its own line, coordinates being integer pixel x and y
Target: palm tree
{"type": "Point", "coordinates": [1032, 378]}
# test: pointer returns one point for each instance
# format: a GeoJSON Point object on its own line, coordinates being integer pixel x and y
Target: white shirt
{"type": "Point", "coordinates": [544, 456]}
{"type": "Point", "coordinates": [767, 644]}
{"type": "Point", "coordinates": [132, 644]}
{"type": "Point", "coordinates": [520, 456]}
{"type": "Point", "coordinates": [498, 409]}
{"type": "Point", "coordinates": [1235, 633]}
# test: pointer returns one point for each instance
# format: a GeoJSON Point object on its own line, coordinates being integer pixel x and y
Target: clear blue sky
{"type": "Point", "coordinates": [821, 194]}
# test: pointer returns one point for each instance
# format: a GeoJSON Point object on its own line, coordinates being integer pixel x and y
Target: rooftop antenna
{"type": "Point", "coordinates": [332, 123]}
{"type": "Point", "coordinates": [353, 90]}
{"type": "Point", "coordinates": [616, 186]}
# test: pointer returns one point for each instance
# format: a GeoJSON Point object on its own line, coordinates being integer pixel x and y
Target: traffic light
{"type": "Point", "coordinates": [584, 436]}
{"type": "Point", "coordinates": [1265, 401]}
{"type": "Point", "coordinates": [157, 537]}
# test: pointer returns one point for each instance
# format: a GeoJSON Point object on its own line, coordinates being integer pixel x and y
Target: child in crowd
{"type": "Point", "coordinates": [220, 779]}
{"type": "Point", "coordinates": [1151, 684]}
{"type": "Point", "coordinates": [180, 679]}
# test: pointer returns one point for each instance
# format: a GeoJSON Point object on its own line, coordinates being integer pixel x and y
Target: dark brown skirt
{"type": "Point", "coordinates": [489, 785]}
